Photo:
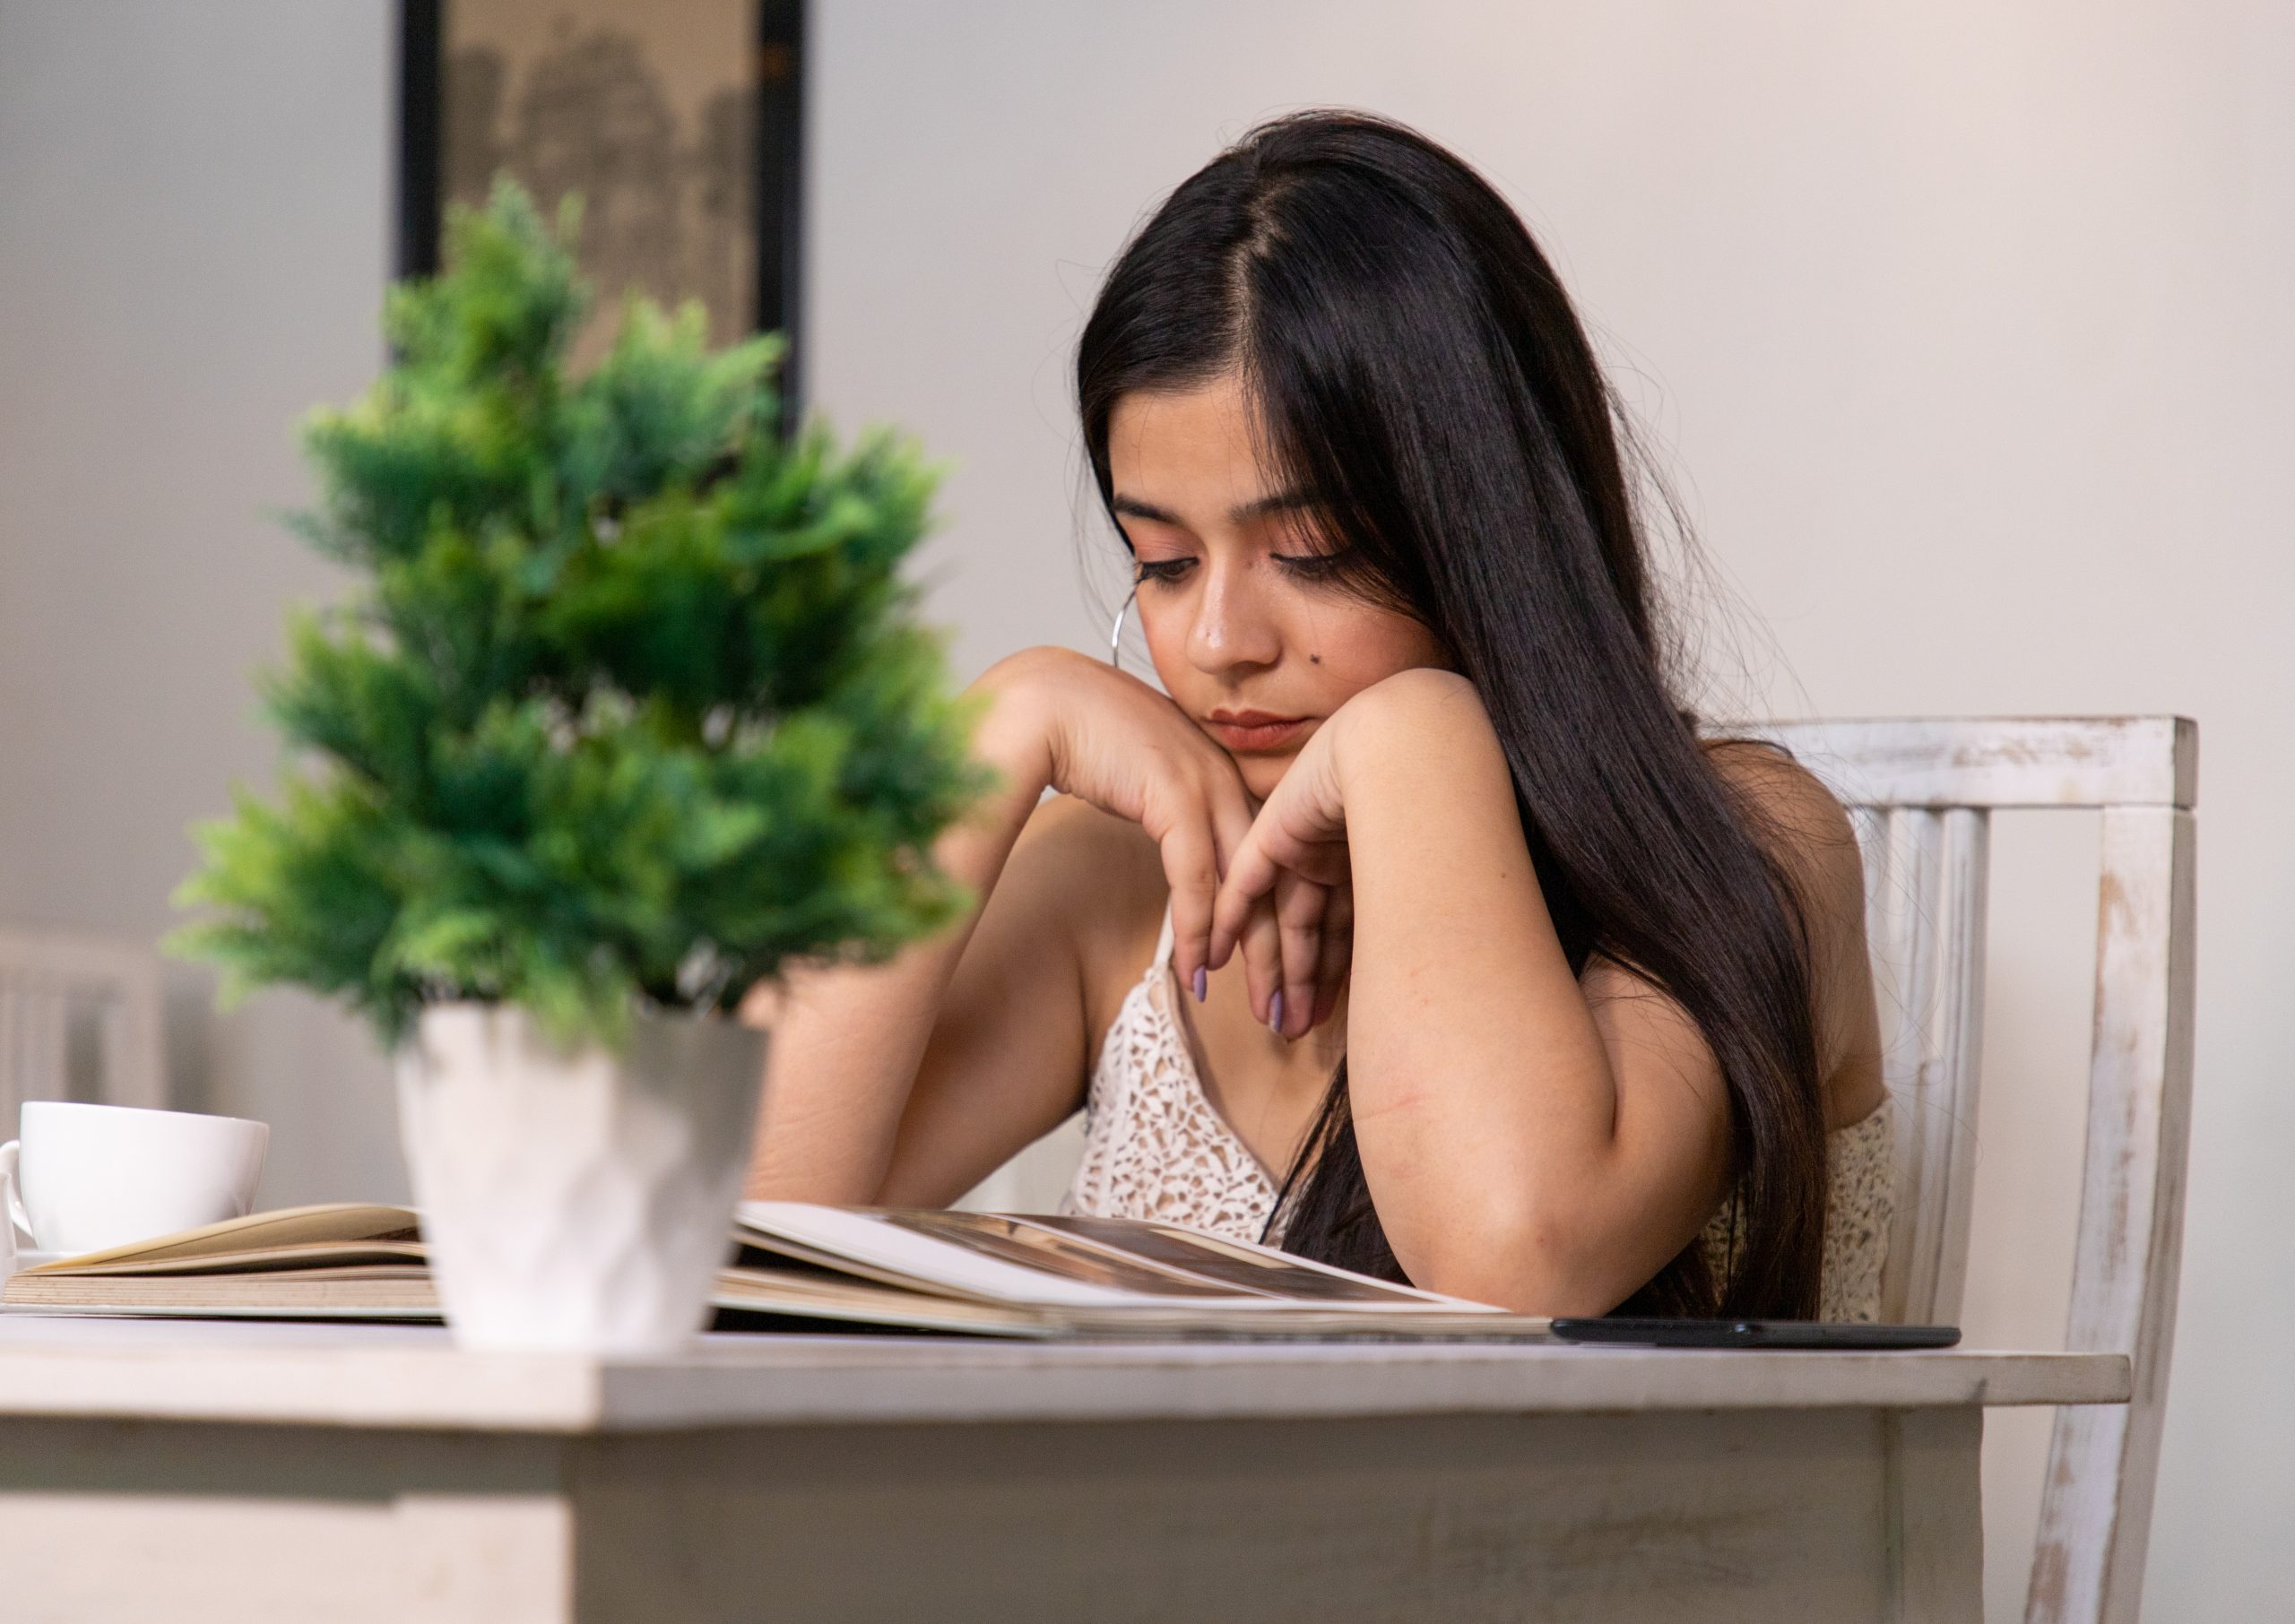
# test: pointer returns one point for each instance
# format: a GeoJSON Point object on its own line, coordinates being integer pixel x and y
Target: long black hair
{"type": "Point", "coordinates": [1415, 364]}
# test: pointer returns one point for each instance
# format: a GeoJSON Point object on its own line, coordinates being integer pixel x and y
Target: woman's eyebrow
{"type": "Point", "coordinates": [1280, 503]}
{"type": "Point", "coordinates": [1133, 505]}
{"type": "Point", "coordinates": [1259, 507]}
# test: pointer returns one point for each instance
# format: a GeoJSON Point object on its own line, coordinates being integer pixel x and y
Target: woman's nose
{"type": "Point", "coordinates": [1233, 625]}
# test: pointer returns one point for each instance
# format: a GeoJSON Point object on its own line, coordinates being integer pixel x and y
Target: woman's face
{"type": "Point", "coordinates": [1253, 637]}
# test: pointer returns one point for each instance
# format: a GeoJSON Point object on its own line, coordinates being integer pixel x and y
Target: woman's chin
{"type": "Point", "coordinates": [1261, 773]}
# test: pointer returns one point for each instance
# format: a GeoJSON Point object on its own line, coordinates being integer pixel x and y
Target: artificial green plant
{"type": "Point", "coordinates": [628, 707]}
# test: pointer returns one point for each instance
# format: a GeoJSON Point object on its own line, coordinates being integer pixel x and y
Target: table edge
{"type": "Point", "coordinates": [805, 1381]}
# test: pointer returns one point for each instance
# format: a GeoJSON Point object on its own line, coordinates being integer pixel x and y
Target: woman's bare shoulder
{"type": "Point", "coordinates": [1807, 830]}
{"type": "Point", "coordinates": [1800, 821]}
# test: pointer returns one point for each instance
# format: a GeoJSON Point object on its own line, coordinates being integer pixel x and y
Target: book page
{"type": "Point", "coordinates": [892, 1251]}
{"type": "Point", "coordinates": [1107, 1264]}
{"type": "Point", "coordinates": [274, 1260]}
{"type": "Point", "coordinates": [1072, 1257]}
{"type": "Point", "coordinates": [1246, 1267]}
{"type": "Point", "coordinates": [330, 1223]}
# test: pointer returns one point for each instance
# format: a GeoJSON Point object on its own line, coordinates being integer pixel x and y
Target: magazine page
{"type": "Point", "coordinates": [1073, 1255]}
{"type": "Point", "coordinates": [841, 1304]}
{"type": "Point", "coordinates": [1081, 1264]}
{"type": "Point", "coordinates": [1241, 1263]}
{"type": "Point", "coordinates": [865, 1239]}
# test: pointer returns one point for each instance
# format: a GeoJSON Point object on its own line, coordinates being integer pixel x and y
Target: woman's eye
{"type": "Point", "coordinates": [1312, 566]}
{"type": "Point", "coordinates": [1162, 571]}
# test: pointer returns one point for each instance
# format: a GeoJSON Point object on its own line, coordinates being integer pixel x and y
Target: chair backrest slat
{"type": "Point", "coordinates": [1920, 793]}
{"type": "Point", "coordinates": [1926, 874]}
{"type": "Point", "coordinates": [48, 981]}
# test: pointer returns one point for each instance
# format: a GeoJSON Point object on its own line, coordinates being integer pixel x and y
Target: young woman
{"type": "Point", "coordinates": [1411, 925]}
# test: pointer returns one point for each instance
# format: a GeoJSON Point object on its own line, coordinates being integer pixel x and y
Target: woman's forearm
{"type": "Point", "coordinates": [1498, 1143]}
{"type": "Point", "coordinates": [847, 1040]}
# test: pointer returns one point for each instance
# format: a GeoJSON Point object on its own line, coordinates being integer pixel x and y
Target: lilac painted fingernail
{"type": "Point", "coordinates": [1275, 1015]}
{"type": "Point", "coordinates": [1202, 983]}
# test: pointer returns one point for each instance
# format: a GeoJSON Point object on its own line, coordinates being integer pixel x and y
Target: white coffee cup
{"type": "Point", "coordinates": [82, 1177]}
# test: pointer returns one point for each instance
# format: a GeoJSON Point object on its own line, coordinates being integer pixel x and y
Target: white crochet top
{"type": "Point", "coordinates": [1156, 1147]}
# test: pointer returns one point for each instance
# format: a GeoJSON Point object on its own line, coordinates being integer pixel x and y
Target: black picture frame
{"type": "Point", "coordinates": [780, 40]}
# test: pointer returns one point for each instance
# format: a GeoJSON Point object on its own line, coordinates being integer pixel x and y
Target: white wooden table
{"type": "Point", "coordinates": [201, 1471]}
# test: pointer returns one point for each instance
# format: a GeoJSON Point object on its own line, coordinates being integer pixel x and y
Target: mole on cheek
{"type": "Point", "coordinates": [1314, 660]}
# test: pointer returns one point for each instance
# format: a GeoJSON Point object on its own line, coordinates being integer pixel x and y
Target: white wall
{"type": "Point", "coordinates": [1968, 326]}
{"type": "Point", "coordinates": [193, 247]}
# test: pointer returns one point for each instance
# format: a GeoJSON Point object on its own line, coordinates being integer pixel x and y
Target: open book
{"type": "Point", "coordinates": [797, 1266]}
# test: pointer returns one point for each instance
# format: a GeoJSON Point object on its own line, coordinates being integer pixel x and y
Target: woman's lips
{"type": "Point", "coordinates": [1250, 731]}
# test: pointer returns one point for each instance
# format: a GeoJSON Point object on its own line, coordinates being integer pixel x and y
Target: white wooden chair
{"type": "Point", "coordinates": [52, 985]}
{"type": "Point", "coordinates": [1921, 793]}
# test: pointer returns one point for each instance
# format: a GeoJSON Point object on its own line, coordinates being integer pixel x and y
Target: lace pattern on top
{"type": "Point", "coordinates": [1153, 1147]}
{"type": "Point", "coordinates": [1156, 1147]}
{"type": "Point", "coordinates": [1861, 1200]}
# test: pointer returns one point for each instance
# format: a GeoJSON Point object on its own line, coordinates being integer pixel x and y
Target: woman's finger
{"type": "Point", "coordinates": [1262, 950]}
{"type": "Point", "coordinates": [1191, 869]}
{"type": "Point", "coordinates": [1250, 878]}
{"type": "Point", "coordinates": [1335, 950]}
{"type": "Point", "coordinates": [1299, 906]}
{"type": "Point", "coordinates": [1230, 810]}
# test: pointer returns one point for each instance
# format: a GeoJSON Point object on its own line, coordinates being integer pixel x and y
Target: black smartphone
{"type": "Point", "coordinates": [1753, 1333]}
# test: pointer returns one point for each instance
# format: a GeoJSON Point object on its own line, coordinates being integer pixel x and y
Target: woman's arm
{"type": "Point", "coordinates": [1556, 1184]}
{"type": "Point", "coordinates": [910, 1081]}
{"type": "Point", "coordinates": [848, 1042]}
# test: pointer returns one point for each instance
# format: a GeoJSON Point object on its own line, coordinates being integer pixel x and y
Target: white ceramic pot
{"type": "Point", "coordinates": [575, 1201]}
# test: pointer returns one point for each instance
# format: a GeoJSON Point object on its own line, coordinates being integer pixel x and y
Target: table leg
{"type": "Point", "coordinates": [1935, 1520]}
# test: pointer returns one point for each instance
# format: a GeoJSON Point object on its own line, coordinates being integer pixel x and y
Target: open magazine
{"type": "Point", "coordinates": [801, 1267]}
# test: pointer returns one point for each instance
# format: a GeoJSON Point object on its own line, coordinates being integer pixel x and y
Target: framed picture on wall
{"type": "Point", "coordinates": [678, 122]}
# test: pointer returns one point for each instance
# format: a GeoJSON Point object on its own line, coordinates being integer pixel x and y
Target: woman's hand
{"type": "Point", "coordinates": [1294, 859]}
{"type": "Point", "coordinates": [1088, 729]}
{"type": "Point", "coordinates": [1292, 864]}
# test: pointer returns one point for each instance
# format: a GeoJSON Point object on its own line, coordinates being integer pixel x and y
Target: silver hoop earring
{"type": "Point", "coordinates": [1115, 637]}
